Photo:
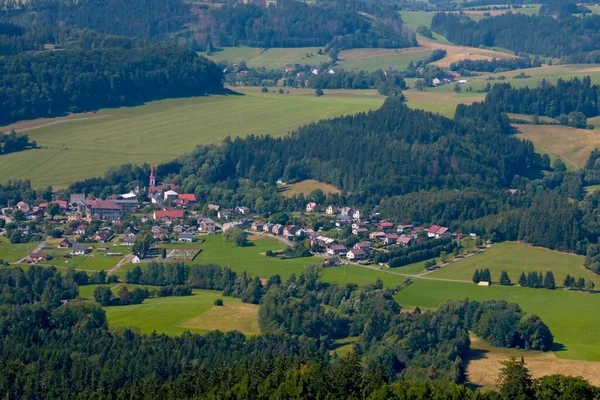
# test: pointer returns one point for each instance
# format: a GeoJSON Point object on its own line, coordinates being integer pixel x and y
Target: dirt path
{"type": "Point", "coordinates": [122, 261]}
{"type": "Point", "coordinates": [487, 246]}
{"type": "Point", "coordinates": [39, 123]}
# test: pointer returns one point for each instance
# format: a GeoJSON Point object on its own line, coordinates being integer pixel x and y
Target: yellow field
{"type": "Point", "coordinates": [306, 187]}
{"type": "Point", "coordinates": [231, 316]}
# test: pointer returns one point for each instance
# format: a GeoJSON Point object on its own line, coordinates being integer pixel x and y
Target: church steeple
{"type": "Point", "coordinates": [152, 185]}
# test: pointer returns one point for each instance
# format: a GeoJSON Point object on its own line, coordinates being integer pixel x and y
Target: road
{"type": "Point", "coordinates": [38, 249]}
{"type": "Point", "coordinates": [122, 261]}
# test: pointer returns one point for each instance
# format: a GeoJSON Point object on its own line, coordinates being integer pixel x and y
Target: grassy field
{"type": "Point", "coordinates": [568, 314]}
{"type": "Point", "coordinates": [516, 258]}
{"type": "Point", "coordinates": [374, 59]}
{"type": "Point", "coordinates": [306, 187]}
{"type": "Point", "coordinates": [14, 252]}
{"type": "Point", "coordinates": [442, 103]}
{"type": "Point", "coordinates": [455, 53]}
{"type": "Point", "coordinates": [269, 58]}
{"type": "Point", "coordinates": [175, 315]}
{"type": "Point", "coordinates": [573, 146]}
{"type": "Point", "coordinates": [592, 188]}
{"type": "Point", "coordinates": [85, 146]}
{"type": "Point", "coordinates": [93, 261]}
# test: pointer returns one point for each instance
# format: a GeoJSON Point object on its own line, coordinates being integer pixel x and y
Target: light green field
{"type": "Point", "coordinates": [94, 261]}
{"type": "Point", "coordinates": [175, 315]}
{"type": "Point", "coordinates": [374, 59]}
{"type": "Point", "coordinates": [14, 252]}
{"type": "Point", "coordinates": [570, 315]}
{"type": "Point", "coordinates": [306, 187]}
{"type": "Point", "coordinates": [415, 18]}
{"type": "Point", "coordinates": [269, 58]}
{"type": "Point", "coordinates": [443, 103]}
{"type": "Point", "coordinates": [592, 188]}
{"type": "Point", "coordinates": [76, 149]}
{"type": "Point", "coordinates": [516, 258]}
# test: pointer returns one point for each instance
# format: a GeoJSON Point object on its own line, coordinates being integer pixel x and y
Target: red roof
{"type": "Point", "coordinates": [442, 230]}
{"type": "Point", "coordinates": [168, 214]}
{"type": "Point", "coordinates": [61, 204]}
{"type": "Point", "coordinates": [404, 239]}
{"type": "Point", "coordinates": [433, 229]}
{"type": "Point", "coordinates": [357, 252]}
{"type": "Point", "coordinates": [188, 197]}
{"type": "Point", "coordinates": [386, 225]}
{"type": "Point", "coordinates": [105, 205]}
{"type": "Point", "coordinates": [338, 247]}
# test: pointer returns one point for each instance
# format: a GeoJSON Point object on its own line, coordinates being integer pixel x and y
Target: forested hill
{"type": "Point", "coordinates": [389, 151]}
{"type": "Point", "coordinates": [542, 35]}
{"type": "Point", "coordinates": [92, 71]}
{"type": "Point", "coordinates": [289, 23]}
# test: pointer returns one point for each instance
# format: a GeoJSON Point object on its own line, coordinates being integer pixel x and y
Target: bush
{"type": "Point", "coordinates": [219, 302]}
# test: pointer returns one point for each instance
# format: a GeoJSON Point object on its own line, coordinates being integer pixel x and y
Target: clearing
{"type": "Point", "coordinates": [456, 53]}
{"type": "Point", "coordinates": [269, 58]}
{"type": "Point", "coordinates": [175, 315]}
{"type": "Point", "coordinates": [571, 145]}
{"type": "Point", "coordinates": [516, 258]}
{"type": "Point", "coordinates": [443, 103]}
{"type": "Point", "coordinates": [374, 59]}
{"type": "Point", "coordinates": [306, 187]}
{"type": "Point", "coordinates": [163, 130]}
{"type": "Point", "coordinates": [485, 363]}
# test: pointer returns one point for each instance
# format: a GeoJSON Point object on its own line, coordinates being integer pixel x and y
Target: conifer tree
{"type": "Point", "coordinates": [549, 282]}
{"type": "Point", "coordinates": [504, 278]}
{"type": "Point", "coordinates": [476, 277]}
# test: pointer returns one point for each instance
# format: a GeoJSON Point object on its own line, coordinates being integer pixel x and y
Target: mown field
{"type": "Point", "coordinates": [374, 59]}
{"type": "Point", "coordinates": [516, 258]}
{"type": "Point", "coordinates": [80, 147]}
{"type": "Point", "coordinates": [197, 313]}
{"type": "Point", "coordinates": [443, 103]}
{"type": "Point", "coordinates": [269, 58]}
{"type": "Point", "coordinates": [306, 187]}
{"type": "Point", "coordinates": [14, 252]}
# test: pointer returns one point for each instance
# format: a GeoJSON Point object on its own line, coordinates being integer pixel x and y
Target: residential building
{"type": "Point", "coordinates": [105, 209]}
{"type": "Point", "coordinates": [79, 249]}
{"type": "Point", "coordinates": [356, 254]}
{"type": "Point", "coordinates": [178, 229]}
{"type": "Point", "coordinates": [136, 260]}
{"type": "Point", "coordinates": [404, 228]}
{"type": "Point", "coordinates": [347, 211]}
{"type": "Point", "coordinates": [186, 237]}
{"type": "Point", "coordinates": [343, 220]}
{"type": "Point", "coordinates": [289, 230]}
{"type": "Point", "coordinates": [437, 232]}
{"type": "Point", "coordinates": [360, 231]}
{"type": "Point", "coordinates": [157, 199]}
{"type": "Point", "coordinates": [277, 229]}
{"type": "Point", "coordinates": [268, 227]}
{"type": "Point", "coordinates": [357, 214]}
{"type": "Point", "coordinates": [405, 241]}
{"type": "Point", "coordinates": [167, 215]}
{"type": "Point", "coordinates": [331, 210]}
{"type": "Point", "coordinates": [170, 195]}
{"type": "Point", "coordinates": [80, 230]}
{"type": "Point", "coordinates": [336, 250]}
{"type": "Point", "coordinates": [66, 243]}
{"type": "Point", "coordinates": [225, 214]}
{"type": "Point", "coordinates": [76, 199]}
{"type": "Point", "coordinates": [364, 246]}
{"type": "Point", "coordinates": [128, 239]}
{"type": "Point", "coordinates": [333, 262]}
{"type": "Point", "coordinates": [74, 216]}
{"type": "Point", "coordinates": [213, 207]}
{"type": "Point", "coordinates": [257, 226]}
{"type": "Point", "coordinates": [377, 236]}
{"type": "Point", "coordinates": [22, 206]}
{"type": "Point", "coordinates": [38, 257]}
{"type": "Point", "coordinates": [229, 225]}
{"type": "Point", "coordinates": [207, 225]}
{"type": "Point", "coordinates": [158, 232]}
{"type": "Point", "coordinates": [385, 226]}
{"type": "Point", "coordinates": [242, 210]}
{"type": "Point", "coordinates": [390, 239]}
{"type": "Point", "coordinates": [310, 207]}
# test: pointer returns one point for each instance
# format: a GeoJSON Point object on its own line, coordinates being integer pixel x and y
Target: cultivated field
{"type": "Point", "coordinates": [573, 146]}
{"type": "Point", "coordinates": [306, 187]}
{"type": "Point", "coordinates": [456, 53]}
{"type": "Point", "coordinates": [374, 59]}
{"type": "Point", "coordinates": [516, 258]}
{"type": "Point", "coordinates": [159, 131]}
{"type": "Point", "coordinates": [175, 315]}
{"type": "Point", "coordinates": [269, 58]}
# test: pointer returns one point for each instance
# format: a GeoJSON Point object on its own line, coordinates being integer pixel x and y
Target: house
{"type": "Point", "coordinates": [436, 82]}
{"type": "Point", "coordinates": [404, 228]}
{"type": "Point", "coordinates": [158, 232]}
{"type": "Point", "coordinates": [128, 239]}
{"type": "Point", "coordinates": [188, 198]}
{"type": "Point", "coordinates": [310, 207]}
{"type": "Point", "coordinates": [36, 215]}
{"type": "Point", "coordinates": [331, 210]}
{"type": "Point", "coordinates": [277, 229]}
{"type": "Point", "coordinates": [359, 224]}
{"type": "Point", "coordinates": [136, 260]}
{"type": "Point", "coordinates": [242, 210]}
{"type": "Point", "coordinates": [66, 243]}
{"type": "Point", "coordinates": [342, 220]}
{"type": "Point", "coordinates": [187, 237]}
{"type": "Point", "coordinates": [163, 215]}
{"type": "Point", "coordinates": [438, 232]}
{"type": "Point", "coordinates": [268, 227]}
{"type": "Point", "coordinates": [364, 246]}
{"type": "Point", "coordinates": [333, 262]}
{"type": "Point", "coordinates": [127, 201]}
{"type": "Point", "coordinates": [225, 214]}
{"type": "Point", "coordinates": [359, 231]}
{"type": "Point", "coordinates": [103, 235]}
{"type": "Point", "coordinates": [74, 216]}
{"type": "Point", "coordinates": [22, 206]}
{"type": "Point", "coordinates": [7, 210]}
{"type": "Point", "coordinates": [170, 195]}
{"type": "Point", "coordinates": [390, 239]}
{"type": "Point", "coordinates": [346, 211]}
{"type": "Point", "coordinates": [213, 207]}
{"type": "Point", "coordinates": [314, 71]}
{"type": "Point", "coordinates": [356, 214]}
{"type": "Point", "coordinates": [80, 230]}
{"type": "Point", "coordinates": [257, 226]}
{"type": "Point", "coordinates": [178, 229]}
{"type": "Point", "coordinates": [79, 249]}
{"type": "Point", "coordinates": [76, 199]}
{"type": "Point", "coordinates": [405, 241]}
{"type": "Point", "coordinates": [229, 225]}
{"type": "Point", "coordinates": [62, 204]}
{"type": "Point", "coordinates": [356, 254]}
{"type": "Point", "coordinates": [385, 226]}
{"type": "Point", "coordinates": [289, 230]}
{"type": "Point", "coordinates": [105, 209]}
{"type": "Point", "coordinates": [38, 257]}
{"type": "Point", "coordinates": [336, 250]}
{"type": "Point", "coordinates": [432, 230]}
{"type": "Point", "coordinates": [157, 199]}
{"type": "Point", "coordinates": [207, 225]}
{"type": "Point", "coordinates": [377, 236]}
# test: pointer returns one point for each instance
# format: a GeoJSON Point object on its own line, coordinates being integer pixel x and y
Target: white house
{"type": "Point", "coordinates": [331, 210]}
{"type": "Point", "coordinates": [310, 207]}
{"type": "Point", "coordinates": [357, 214]}
{"type": "Point", "coordinates": [135, 260]}
{"type": "Point", "coordinates": [355, 254]}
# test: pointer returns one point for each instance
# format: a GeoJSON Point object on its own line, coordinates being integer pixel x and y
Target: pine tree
{"type": "Point", "coordinates": [476, 277]}
{"type": "Point", "coordinates": [485, 276]}
{"type": "Point", "coordinates": [580, 283]}
{"type": "Point", "coordinates": [504, 278]}
{"type": "Point", "coordinates": [523, 280]}
{"type": "Point", "coordinates": [549, 282]}
{"type": "Point", "coordinates": [569, 281]}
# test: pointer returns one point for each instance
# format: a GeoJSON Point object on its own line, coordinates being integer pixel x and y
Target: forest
{"type": "Point", "coordinates": [494, 65]}
{"type": "Point", "coordinates": [86, 77]}
{"type": "Point", "coordinates": [531, 34]}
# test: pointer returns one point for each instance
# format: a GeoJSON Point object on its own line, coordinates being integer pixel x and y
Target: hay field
{"type": "Point", "coordinates": [306, 187]}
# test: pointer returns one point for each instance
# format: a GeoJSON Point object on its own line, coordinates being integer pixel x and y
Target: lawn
{"type": "Point", "coordinates": [84, 146]}
{"type": "Point", "coordinates": [175, 315]}
{"type": "Point", "coordinates": [516, 258]}
{"type": "Point", "coordinates": [269, 58]}
{"type": "Point", "coordinates": [14, 252]}
{"type": "Point", "coordinates": [570, 315]}
{"type": "Point", "coordinates": [306, 187]}
{"type": "Point", "coordinates": [94, 261]}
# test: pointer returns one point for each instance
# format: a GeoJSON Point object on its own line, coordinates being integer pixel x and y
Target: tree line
{"type": "Point", "coordinates": [12, 142]}
{"type": "Point", "coordinates": [494, 65]}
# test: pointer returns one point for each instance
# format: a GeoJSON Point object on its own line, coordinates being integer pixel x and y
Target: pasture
{"type": "Point", "coordinates": [84, 146]}
{"type": "Point", "coordinates": [570, 315]}
{"type": "Point", "coordinates": [516, 258]}
{"type": "Point", "coordinates": [306, 187]}
{"type": "Point", "coordinates": [374, 59]}
{"type": "Point", "coordinates": [441, 103]}
{"type": "Point", "coordinates": [14, 252]}
{"type": "Point", "coordinates": [273, 58]}
{"type": "Point", "coordinates": [456, 53]}
{"type": "Point", "coordinates": [175, 315]}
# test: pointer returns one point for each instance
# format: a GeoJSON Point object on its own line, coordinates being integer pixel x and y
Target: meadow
{"type": "Point", "coordinates": [306, 187]}
{"type": "Point", "coordinates": [443, 103]}
{"type": "Point", "coordinates": [516, 258]}
{"type": "Point", "coordinates": [84, 146]}
{"type": "Point", "coordinates": [14, 252]}
{"type": "Point", "coordinates": [197, 313]}
{"type": "Point", "coordinates": [374, 59]}
{"type": "Point", "coordinates": [273, 58]}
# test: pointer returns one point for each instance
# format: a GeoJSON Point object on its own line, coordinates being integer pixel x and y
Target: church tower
{"type": "Point", "coordinates": [152, 187]}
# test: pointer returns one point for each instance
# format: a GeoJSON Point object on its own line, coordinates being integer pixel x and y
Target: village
{"type": "Point", "coordinates": [127, 228]}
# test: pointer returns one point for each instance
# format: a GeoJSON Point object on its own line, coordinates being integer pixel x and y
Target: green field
{"type": "Point", "coordinates": [175, 315]}
{"type": "Point", "coordinates": [516, 258]}
{"type": "Point", "coordinates": [94, 261]}
{"type": "Point", "coordinates": [269, 58]}
{"type": "Point", "coordinates": [570, 315]}
{"type": "Point", "coordinates": [415, 18]}
{"type": "Point", "coordinates": [14, 252]}
{"type": "Point", "coordinates": [74, 149]}
{"type": "Point", "coordinates": [374, 59]}
{"type": "Point", "coordinates": [442, 103]}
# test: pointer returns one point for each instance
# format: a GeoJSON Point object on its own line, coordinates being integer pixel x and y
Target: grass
{"type": "Point", "coordinates": [84, 146]}
{"type": "Point", "coordinates": [592, 188]}
{"type": "Point", "coordinates": [269, 58]}
{"type": "Point", "coordinates": [571, 145]}
{"type": "Point", "coordinates": [441, 103]}
{"type": "Point", "coordinates": [516, 258]}
{"type": "Point", "coordinates": [94, 261]}
{"type": "Point", "coordinates": [14, 252]}
{"type": "Point", "coordinates": [570, 315]}
{"type": "Point", "coordinates": [175, 315]}
{"type": "Point", "coordinates": [455, 53]}
{"type": "Point", "coordinates": [374, 59]}
{"type": "Point", "coordinates": [306, 187]}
